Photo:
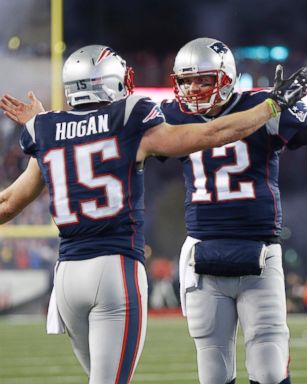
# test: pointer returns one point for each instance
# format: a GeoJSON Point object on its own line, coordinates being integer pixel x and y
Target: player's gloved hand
{"type": "Point", "coordinates": [286, 92]}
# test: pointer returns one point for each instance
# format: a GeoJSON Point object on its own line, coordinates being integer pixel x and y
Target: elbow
{"type": "Point", "coordinates": [7, 213]}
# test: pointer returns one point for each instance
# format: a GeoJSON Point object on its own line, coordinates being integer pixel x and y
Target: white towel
{"type": "Point", "coordinates": [187, 277]}
{"type": "Point", "coordinates": [55, 324]}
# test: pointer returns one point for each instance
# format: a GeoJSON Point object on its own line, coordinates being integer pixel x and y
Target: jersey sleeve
{"type": "Point", "coordinates": [143, 113]}
{"type": "Point", "coordinates": [288, 123]}
{"type": "Point", "coordinates": [293, 121]}
{"type": "Point", "coordinates": [27, 138]}
{"type": "Point", "coordinates": [298, 116]}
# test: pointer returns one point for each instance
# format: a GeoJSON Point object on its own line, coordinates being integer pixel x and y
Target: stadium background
{"type": "Point", "coordinates": [147, 34]}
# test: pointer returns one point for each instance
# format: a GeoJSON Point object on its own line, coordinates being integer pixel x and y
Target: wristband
{"type": "Point", "coordinates": [272, 105]}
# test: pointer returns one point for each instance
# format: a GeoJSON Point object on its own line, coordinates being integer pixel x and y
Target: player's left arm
{"type": "Point", "coordinates": [22, 192]}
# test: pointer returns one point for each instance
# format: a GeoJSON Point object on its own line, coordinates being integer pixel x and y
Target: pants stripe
{"type": "Point", "coordinates": [139, 319]}
{"type": "Point", "coordinates": [133, 321]}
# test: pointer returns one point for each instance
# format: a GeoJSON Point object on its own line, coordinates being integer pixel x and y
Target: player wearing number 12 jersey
{"type": "Point", "coordinates": [91, 159]}
{"type": "Point", "coordinates": [233, 220]}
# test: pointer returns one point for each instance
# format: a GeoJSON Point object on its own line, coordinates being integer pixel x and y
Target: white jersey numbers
{"type": "Point", "coordinates": [200, 179]}
{"type": "Point", "coordinates": [58, 179]}
{"type": "Point", "coordinates": [85, 172]}
{"type": "Point", "coordinates": [222, 176]}
{"type": "Point", "coordinates": [83, 154]}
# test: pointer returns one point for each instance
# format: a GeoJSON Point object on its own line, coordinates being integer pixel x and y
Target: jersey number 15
{"type": "Point", "coordinates": [83, 159]}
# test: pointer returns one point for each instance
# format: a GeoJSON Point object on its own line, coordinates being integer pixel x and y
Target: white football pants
{"type": "Point", "coordinates": [103, 303]}
{"type": "Point", "coordinates": [259, 303]}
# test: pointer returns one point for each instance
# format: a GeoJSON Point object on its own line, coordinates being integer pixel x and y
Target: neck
{"type": "Point", "coordinates": [91, 105]}
{"type": "Point", "coordinates": [214, 111]}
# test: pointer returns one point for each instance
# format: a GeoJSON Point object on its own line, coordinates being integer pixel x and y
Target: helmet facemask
{"type": "Point", "coordinates": [198, 58]}
{"type": "Point", "coordinates": [204, 101]}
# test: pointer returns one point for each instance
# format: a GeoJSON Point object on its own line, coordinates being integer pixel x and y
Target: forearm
{"type": "Point", "coordinates": [239, 125]}
{"type": "Point", "coordinates": [21, 193]}
{"type": "Point", "coordinates": [12, 203]}
{"type": "Point", "coordinates": [223, 130]}
{"type": "Point", "coordinates": [7, 210]}
{"type": "Point", "coordinates": [180, 140]}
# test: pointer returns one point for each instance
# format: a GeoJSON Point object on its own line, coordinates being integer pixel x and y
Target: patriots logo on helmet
{"type": "Point", "coordinates": [106, 52]}
{"type": "Point", "coordinates": [219, 48]}
{"type": "Point", "coordinates": [299, 110]}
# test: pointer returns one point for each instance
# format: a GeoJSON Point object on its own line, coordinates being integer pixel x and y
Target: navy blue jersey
{"type": "Point", "coordinates": [232, 191]}
{"type": "Point", "coordinates": [88, 161]}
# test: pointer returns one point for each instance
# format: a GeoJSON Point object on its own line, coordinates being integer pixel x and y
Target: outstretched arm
{"type": "Point", "coordinates": [180, 140]}
{"type": "Point", "coordinates": [21, 193]}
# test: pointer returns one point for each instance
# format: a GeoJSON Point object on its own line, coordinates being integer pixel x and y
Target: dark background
{"type": "Point", "coordinates": [161, 26]}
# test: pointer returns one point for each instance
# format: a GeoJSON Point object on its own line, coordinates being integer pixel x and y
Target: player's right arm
{"type": "Point", "coordinates": [179, 140]}
{"type": "Point", "coordinates": [19, 111]}
{"type": "Point", "coordinates": [22, 192]}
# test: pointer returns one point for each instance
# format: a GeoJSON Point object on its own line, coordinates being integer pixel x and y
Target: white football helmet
{"type": "Point", "coordinates": [204, 56]}
{"type": "Point", "coordinates": [96, 73]}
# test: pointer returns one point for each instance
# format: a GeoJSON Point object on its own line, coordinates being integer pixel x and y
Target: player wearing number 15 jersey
{"type": "Point", "coordinates": [95, 186]}
{"type": "Point", "coordinates": [233, 219]}
{"type": "Point", "coordinates": [91, 159]}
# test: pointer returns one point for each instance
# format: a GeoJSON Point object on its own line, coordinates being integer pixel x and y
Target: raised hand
{"type": "Point", "coordinates": [286, 92]}
{"type": "Point", "coordinates": [19, 111]}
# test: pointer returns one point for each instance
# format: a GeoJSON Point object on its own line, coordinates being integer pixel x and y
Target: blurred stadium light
{"type": "Point", "coordinates": [157, 94]}
{"type": "Point", "coordinates": [262, 53]}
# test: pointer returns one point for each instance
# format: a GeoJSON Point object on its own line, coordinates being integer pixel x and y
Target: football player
{"type": "Point", "coordinates": [91, 160]}
{"type": "Point", "coordinates": [231, 262]}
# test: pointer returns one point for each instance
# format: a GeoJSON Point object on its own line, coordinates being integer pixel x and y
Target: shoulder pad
{"type": "Point", "coordinates": [131, 101]}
